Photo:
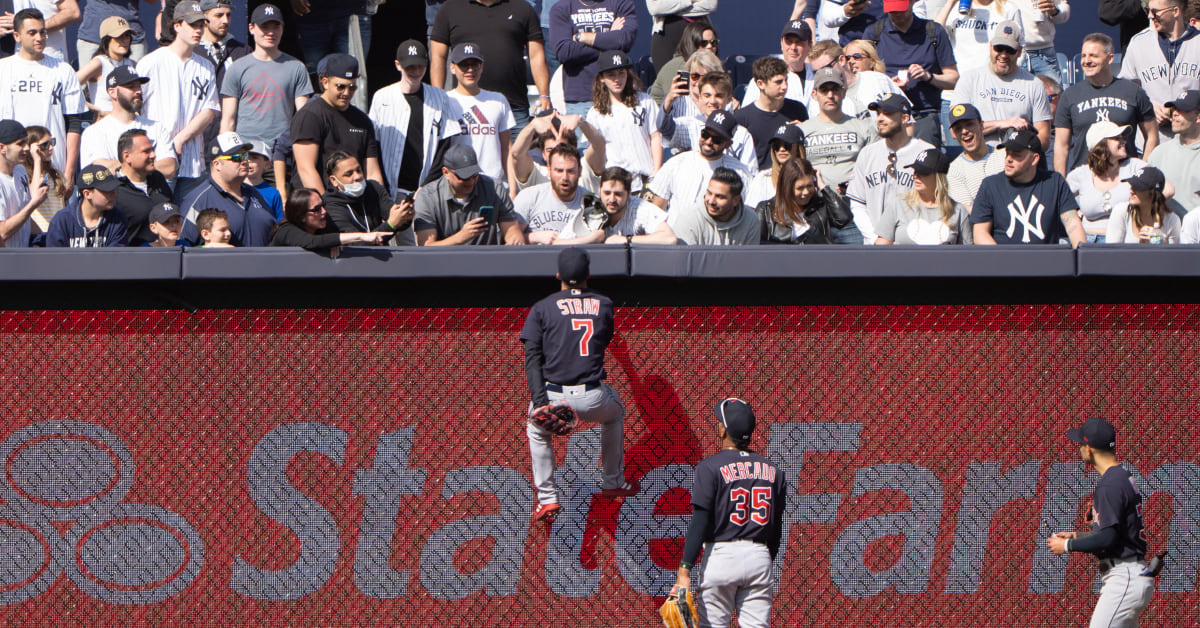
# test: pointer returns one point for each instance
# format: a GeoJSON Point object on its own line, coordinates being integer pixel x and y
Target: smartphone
{"type": "Point", "coordinates": [46, 179]}
{"type": "Point", "coordinates": [902, 75]}
{"type": "Point", "coordinates": [488, 213]}
{"type": "Point", "coordinates": [683, 75]}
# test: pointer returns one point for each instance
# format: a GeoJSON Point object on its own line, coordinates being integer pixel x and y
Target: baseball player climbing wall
{"type": "Point", "coordinates": [370, 467]}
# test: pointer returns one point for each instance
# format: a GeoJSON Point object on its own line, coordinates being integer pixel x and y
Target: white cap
{"type": "Point", "coordinates": [1103, 130]}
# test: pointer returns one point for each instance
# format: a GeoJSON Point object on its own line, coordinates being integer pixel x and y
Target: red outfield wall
{"type": "Point", "coordinates": [369, 467]}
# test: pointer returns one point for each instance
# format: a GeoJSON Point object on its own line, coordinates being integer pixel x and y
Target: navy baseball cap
{"type": "Point", "coordinates": [338, 64]}
{"type": "Point", "coordinates": [788, 134]}
{"type": "Point", "coordinates": [96, 177]}
{"type": "Point", "coordinates": [891, 103]}
{"type": "Point", "coordinates": [412, 52]}
{"type": "Point", "coordinates": [737, 417]}
{"type": "Point", "coordinates": [464, 51]}
{"type": "Point", "coordinates": [1150, 178]}
{"type": "Point", "coordinates": [573, 265]}
{"type": "Point", "coordinates": [163, 212]}
{"type": "Point", "coordinates": [266, 13]}
{"type": "Point", "coordinates": [930, 160]}
{"type": "Point", "coordinates": [461, 159]}
{"type": "Point", "coordinates": [124, 75]}
{"type": "Point", "coordinates": [613, 60]}
{"type": "Point", "coordinates": [721, 122]}
{"type": "Point", "coordinates": [964, 111]}
{"type": "Point", "coordinates": [798, 28]}
{"type": "Point", "coordinates": [11, 131]}
{"type": "Point", "coordinates": [1187, 101]}
{"type": "Point", "coordinates": [1022, 139]}
{"type": "Point", "coordinates": [1096, 432]}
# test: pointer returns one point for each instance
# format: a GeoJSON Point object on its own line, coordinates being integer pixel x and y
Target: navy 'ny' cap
{"type": "Point", "coordinates": [891, 103]}
{"type": "Point", "coordinates": [1187, 101]}
{"type": "Point", "coordinates": [1096, 432]}
{"type": "Point", "coordinates": [737, 417]}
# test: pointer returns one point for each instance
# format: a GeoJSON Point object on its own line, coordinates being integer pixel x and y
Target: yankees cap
{"type": "Point", "coordinates": [891, 103]}
{"type": "Point", "coordinates": [799, 28]}
{"type": "Point", "coordinates": [412, 52]}
{"type": "Point", "coordinates": [1022, 139]}
{"type": "Point", "coordinates": [338, 64]}
{"type": "Point", "coordinates": [1103, 130]}
{"type": "Point", "coordinates": [266, 13]}
{"type": "Point", "coordinates": [461, 159]}
{"type": "Point", "coordinates": [114, 26]}
{"type": "Point", "coordinates": [225, 144]}
{"type": "Point", "coordinates": [189, 12]}
{"type": "Point", "coordinates": [829, 75]}
{"type": "Point", "coordinates": [464, 51]}
{"type": "Point", "coordinates": [788, 134]}
{"type": "Point", "coordinates": [721, 123]}
{"type": "Point", "coordinates": [1150, 178]}
{"type": "Point", "coordinates": [1006, 34]}
{"type": "Point", "coordinates": [613, 60]}
{"type": "Point", "coordinates": [1096, 432]}
{"type": "Point", "coordinates": [1187, 101]}
{"type": "Point", "coordinates": [573, 265]}
{"type": "Point", "coordinates": [209, 5]}
{"type": "Point", "coordinates": [11, 131]}
{"type": "Point", "coordinates": [163, 212]}
{"type": "Point", "coordinates": [964, 111]}
{"type": "Point", "coordinates": [737, 417]}
{"type": "Point", "coordinates": [124, 75]}
{"type": "Point", "coordinates": [930, 160]}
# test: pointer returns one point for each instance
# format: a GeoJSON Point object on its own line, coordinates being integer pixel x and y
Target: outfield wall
{"type": "Point", "coordinates": [368, 465]}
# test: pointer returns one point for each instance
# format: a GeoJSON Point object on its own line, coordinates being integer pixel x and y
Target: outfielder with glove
{"type": "Point", "coordinates": [565, 337]}
{"type": "Point", "coordinates": [738, 499]}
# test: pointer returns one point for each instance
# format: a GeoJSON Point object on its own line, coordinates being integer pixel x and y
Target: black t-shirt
{"type": "Point", "coordinates": [763, 125]}
{"type": "Point", "coordinates": [414, 137]}
{"type": "Point", "coordinates": [745, 494]}
{"type": "Point", "coordinates": [502, 32]}
{"type": "Point", "coordinates": [332, 130]}
{"type": "Point", "coordinates": [136, 206]}
{"type": "Point", "coordinates": [1024, 213]}
{"type": "Point", "coordinates": [1117, 502]}
{"type": "Point", "coordinates": [575, 327]}
{"type": "Point", "coordinates": [1121, 102]}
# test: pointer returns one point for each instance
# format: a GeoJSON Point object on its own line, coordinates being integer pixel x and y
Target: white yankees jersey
{"type": "Point", "coordinates": [41, 93]}
{"type": "Point", "coordinates": [14, 195]}
{"type": "Point", "coordinates": [482, 119]}
{"type": "Point", "coordinates": [178, 91]}
{"type": "Point", "coordinates": [56, 42]}
{"type": "Point", "coordinates": [687, 137]}
{"type": "Point", "coordinates": [390, 113]}
{"type": "Point", "coordinates": [99, 140]}
{"type": "Point", "coordinates": [879, 173]}
{"type": "Point", "coordinates": [683, 180]}
{"type": "Point", "coordinates": [627, 133]}
{"type": "Point", "coordinates": [1146, 64]}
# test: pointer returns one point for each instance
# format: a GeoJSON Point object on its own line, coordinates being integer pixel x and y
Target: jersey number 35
{"type": "Point", "coordinates": [750, 505]}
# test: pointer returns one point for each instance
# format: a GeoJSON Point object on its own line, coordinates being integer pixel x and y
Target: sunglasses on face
{"type": "Point", "coordinates": [858, 56]}
{"type": "Point", "coordinates": [236, 157]}
{"type": "Point", "coordinates": [346, 87]}
{"type": "Point", "coordinates": [711, 43]}
{"type": "Point", "coordinates": [710, 136]}
{"type": "Point", "coordinates": [46, 144]}
{"type": "Point", "coordinates": [317, 210]}
{"type": "Point", "coordinates": [1156, 15]}
{"type": "Point", "coordinates": [1005, 50]}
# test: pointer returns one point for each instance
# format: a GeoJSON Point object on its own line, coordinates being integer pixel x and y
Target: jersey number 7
{"type": "Point", "coordinates": [753, 505]}
{"type": "Point", "coordinates": [587, 326]}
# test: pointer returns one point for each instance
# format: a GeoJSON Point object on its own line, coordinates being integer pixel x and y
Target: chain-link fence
{"type": "Point", "coordinates": [370, 467]}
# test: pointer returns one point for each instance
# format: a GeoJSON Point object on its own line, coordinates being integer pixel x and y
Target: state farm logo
{"type": "Point", "coordinates": [62, 512]}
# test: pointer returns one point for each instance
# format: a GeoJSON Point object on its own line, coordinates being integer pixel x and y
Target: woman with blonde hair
{"type": "Point", "coordinates": [863, 57]}
{"type": "Point", "coordinates": [41, 149]}
{"type": "Point", "coordinates": [926, 214]}
{"type": "Point", "coordinates": [863, 72]}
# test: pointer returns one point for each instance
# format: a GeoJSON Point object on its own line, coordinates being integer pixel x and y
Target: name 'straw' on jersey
{"type": "Point", "coordinates": [575, 306]}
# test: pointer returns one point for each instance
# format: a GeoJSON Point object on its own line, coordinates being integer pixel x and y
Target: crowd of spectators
{"type": "Point", "coordinates": [879, 122]}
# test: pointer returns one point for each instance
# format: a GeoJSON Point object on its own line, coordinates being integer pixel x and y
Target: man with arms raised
{"type": "Point", "coordinates": [548, 207]}
{"type": "Point", "coordinates": [545, 132]}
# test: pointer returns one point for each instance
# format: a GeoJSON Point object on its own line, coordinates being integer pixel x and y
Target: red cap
{"type": "Point", "coordinates": [895, 5]}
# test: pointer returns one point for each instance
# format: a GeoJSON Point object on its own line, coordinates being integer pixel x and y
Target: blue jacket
{"type": "Point", "coordinates": [568, 17]}
{"type": "Point", "coordinates": [67, 228]}
{"type": "Point", "coordinates": [251, 221]}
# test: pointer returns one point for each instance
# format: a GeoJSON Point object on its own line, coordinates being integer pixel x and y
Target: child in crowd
{"type": "Point", "coordinates": [258, 164]}
{"type": "Point", "coordinates": [628, 119]}
{"type": "Point", "coordinates": [116, 41]}
{"type": "Point", "coordinates": [213, 225]}
{"type": "Point", "coordinates": [165, 222]}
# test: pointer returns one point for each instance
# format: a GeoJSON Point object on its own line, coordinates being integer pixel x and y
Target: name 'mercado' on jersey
{"type": "Point", "coordinates": [745, 494]}
{"type": "Point", "coordinates": [575, 327]}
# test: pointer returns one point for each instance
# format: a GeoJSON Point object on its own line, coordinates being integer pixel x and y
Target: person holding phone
{"type": "Point", "coordinates": [449, 212]}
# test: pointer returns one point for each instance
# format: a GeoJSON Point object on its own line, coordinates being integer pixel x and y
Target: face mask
{"type": "Point", "coordinates": [354, 190]}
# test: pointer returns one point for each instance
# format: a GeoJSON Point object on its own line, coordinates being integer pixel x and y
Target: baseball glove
{"type": "Point", "coordinates": [556, 419]}
{"type": "Point", "coordinates": [679, 611]}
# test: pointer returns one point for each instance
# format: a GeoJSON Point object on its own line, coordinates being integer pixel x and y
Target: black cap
{"type": "Point", "coordinates": [1187, 101]}
{"type": "Point", "coordinates": [737, 417]}
{"type": "Point", "coordinates": [1150, 178]}
{"type": "Point", "coordinates": [464, 51]}
{"type": "Point", "coordinates": [573, 265]}
{"type": "Point", "coordinates": [930, 160]}
{"type": "Point", "coordinates": [96, 177]}
{"type": "Point", "coordinates": [266, 13]}
{"type": "Point", "coordinates": [891, 103]}
{"type": "Point", "coordinates": [613, 60]}
{"type": "Point", "coordinates": [1021, 139]}
{"type": "Point", "coordinates": [964, 111]}
{"type": "Point", "coordinates": [338, 64]}
{"type": "Point", "coordinates": [1096, 432]}
{"type": "Point", "coordinates": [11, 131]}
{"type": "Point", "coordinates": [798, 28]}
{"type": "Point", "coordinates": [788, 134]}
{"type": "Point", "coordinates": [721, 122]}
{"type": "Point", "coordinates": [163, 212]}
{"type": "Point", "coordinates": [461, 159]}
{"type": "Point", "coordinates": [124, 75]}
{"type": "Point", "coordinates": [412, 52]}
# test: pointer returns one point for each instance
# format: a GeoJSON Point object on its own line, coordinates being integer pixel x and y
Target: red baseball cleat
{"type": "Point", "coordinates": [546, 512]}
{"type": "Point", "coordinates": [628, 488]}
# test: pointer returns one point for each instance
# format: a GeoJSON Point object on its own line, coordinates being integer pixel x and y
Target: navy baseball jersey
{"type": "Point", "coordinates": [575, 327]}
{"type": "Point", "coordinates": [745, 494]}
{"type": "Point", "coordinates": [1118, 503]}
